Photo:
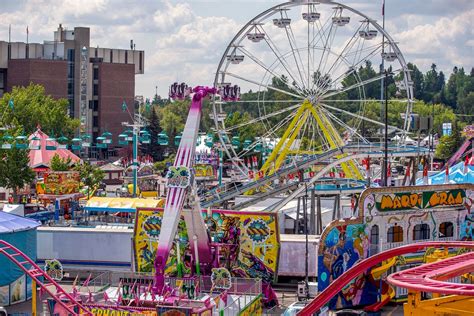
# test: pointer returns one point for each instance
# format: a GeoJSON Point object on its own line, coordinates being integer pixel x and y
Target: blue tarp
{"type": "Point", "coordinates": [456, 175]}
{"type": "Point", "coordinates": [11, 223]}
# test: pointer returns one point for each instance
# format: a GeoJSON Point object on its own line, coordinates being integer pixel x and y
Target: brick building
{"type": "Point", "coordinates": [95, 81]}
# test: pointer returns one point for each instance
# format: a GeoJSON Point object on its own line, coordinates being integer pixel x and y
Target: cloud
{"type": "Point", "coordinates": [184, 40]}
{"type": "Point", "coordinates": [443, 42]}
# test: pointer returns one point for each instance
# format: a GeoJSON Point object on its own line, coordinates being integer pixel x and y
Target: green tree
{"type": "Point", "coordinates": [153, 149]}
{"type": "Point", "coordinates": [91, 176]}
{"type": "Point", "coordinates": [32, 107]}
{"type": "Point", "coordinates": [15, 172]}
{"type": "Point", "coordinates": [448, 145]}
{"type": "Point", "coordinates": [466, 107]}
{"type": "Point", "coordinates": [60, 164]}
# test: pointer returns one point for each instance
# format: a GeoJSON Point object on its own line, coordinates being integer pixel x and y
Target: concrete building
{"type": "Point", "coordinates": [95, 81]}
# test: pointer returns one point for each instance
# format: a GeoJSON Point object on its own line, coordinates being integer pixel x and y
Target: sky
{"type": "Point", "coordinates": [185, 40]}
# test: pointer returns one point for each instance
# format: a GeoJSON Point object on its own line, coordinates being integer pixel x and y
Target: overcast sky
{"type": "Point", "coordinates": [184, 40]}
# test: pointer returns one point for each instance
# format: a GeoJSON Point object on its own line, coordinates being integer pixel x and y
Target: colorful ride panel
{"type": "Point", "coordinates": [246, 243]}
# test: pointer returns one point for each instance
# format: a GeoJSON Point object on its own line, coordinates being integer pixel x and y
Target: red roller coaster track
{"type": "Point", "coordinates": [335, 287]}
{"type": "Point", "coordinates": [429, 277]}
{"type": "Point", "coordinates": [35, 272]}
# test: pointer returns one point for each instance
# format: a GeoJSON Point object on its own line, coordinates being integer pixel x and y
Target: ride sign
{"type": "Point", "coordinates": [178, 177]}
{"type": "Point", "coordinates": [419, 200]}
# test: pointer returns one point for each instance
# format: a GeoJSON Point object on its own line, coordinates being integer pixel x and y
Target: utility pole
{"type": "Point", "coordinates": [385, 159]}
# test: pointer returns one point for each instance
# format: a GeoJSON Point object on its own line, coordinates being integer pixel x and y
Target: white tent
{"type": "Point", "coordinates": [15, 209]}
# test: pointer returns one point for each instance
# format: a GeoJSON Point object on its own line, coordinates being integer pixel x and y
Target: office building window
{"type": "Point", "coordinates": [96, 73]}
{"type": "Point", "coordinates": [126, 57]}
{"type": "Point", "coordinates": [96, 89]}
{"type": "Point", "coordinates": [421, 231]}
{"type": "Point", "coordinates": [95, 121]}
{"type": "Point", "coordinates": [111, 56]}
{"type": "Point", "coordinates": [140, 61]}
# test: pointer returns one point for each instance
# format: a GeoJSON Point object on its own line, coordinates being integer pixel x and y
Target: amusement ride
{"type": "Point", "coordinates": [300, 61]}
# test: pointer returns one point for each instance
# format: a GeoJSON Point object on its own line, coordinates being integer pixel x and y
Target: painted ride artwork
{"type": "Point", "coordinates": [290, 185]}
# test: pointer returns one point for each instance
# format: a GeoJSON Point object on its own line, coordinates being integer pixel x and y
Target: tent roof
{"type": "Point", "coordinates": [42, 156]}
{"type": "Point", "coordinates": [111, 167]}
{"type": "Point", "coordinates": [11, 223]}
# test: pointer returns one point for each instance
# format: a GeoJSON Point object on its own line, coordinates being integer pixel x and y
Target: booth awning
{"type": "Point", "coordinates": [11, 223]}
{"type": "Point", "coordinates": [106, 204]}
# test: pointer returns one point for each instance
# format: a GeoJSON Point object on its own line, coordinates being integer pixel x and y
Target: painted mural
{"type": "Point", "coordinates": [392, 217]}
{"type": "Point", "coordinates": [342, 247]}
{"type": "Point", "coordinates": [249, 242]}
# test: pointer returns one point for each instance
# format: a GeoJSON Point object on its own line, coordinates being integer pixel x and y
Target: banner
{"type": "Point", "coordinates": [59, 183]}
{"type": "Point", "coordinates": [424, 200]}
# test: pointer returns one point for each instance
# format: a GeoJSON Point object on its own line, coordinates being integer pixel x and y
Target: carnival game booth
{"type": "Point", "coordinates": [147, 181]}
{"type": "Point", "coordinates": [15, 286]}
{"type": "Point", "coordinates": [60, 191]}
{"type": "Point", "coordinates": [388, 218]}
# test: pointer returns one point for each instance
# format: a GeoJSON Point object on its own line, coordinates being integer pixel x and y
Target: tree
{"type": "Point", "coordinates": [15, 172]}
{"type": "Point", "coordinates": [417, 78]}
{"type": "Point", "coordinates": [448, 145]}
{"type": "Point", "coordinates": [90, 175]}
{"type": "Point", "coordinates": [60, 164]}
{"type": "Point", "coordinates": [29, 107]}
{"type": "Point", "coordinates": [154, 149]}
{"type": "Point", "coordinates": [466, 107]}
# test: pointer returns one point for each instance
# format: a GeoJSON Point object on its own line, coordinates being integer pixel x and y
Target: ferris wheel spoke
{"type": "Point", "coordinates": [344, 125]}
{"type": "Point", "coordinates": [320, 27]}
{"type": "Point", "coordinates": [354, 86]}
{"type": "Point", "coordinates": [261, 118]}
{"type": "Point", "coordinates": [263, 65]}
{"type": "Point", "coordinates": [347, 48]}
{"type": "Point", "coordinates": [264, 85]}
{"type": "Point", "coordinates": [280, 57]}
{"type": "Point", "coordinates": [358, 116]}
{"type": "Point", "coordinates": [352, 69]}
{"type": "Point", "coordinates": [294, 47]}
{"type": "Point", "coordinates": [267, 101]}
{"type": "Point", "coordinates": [317, 82]}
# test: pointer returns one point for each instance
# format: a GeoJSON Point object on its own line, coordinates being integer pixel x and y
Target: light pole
{"type": "Point", "coordinates": [385, 159]}
{"type": "Point", "coordinates": [135, 126]}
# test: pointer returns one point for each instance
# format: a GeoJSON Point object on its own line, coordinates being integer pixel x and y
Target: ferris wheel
{"type": "Point", "coordinates": [310, 69]}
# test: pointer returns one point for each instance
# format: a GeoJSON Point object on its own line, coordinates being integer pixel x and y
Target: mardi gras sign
{"type": "Point", "coordinates": [178, 177]}
{"type": "Point", "coordinates": [59, 183]}
{"type": "Point", "coordinates": [414, 200]}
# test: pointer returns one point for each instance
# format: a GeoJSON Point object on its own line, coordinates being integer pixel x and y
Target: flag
{"type": "Point", "coordinates": [407, 174]}
{"type": "Point", "coordinates": [389, 175]}
{"type": "Point", "coordinates": [466, 163]}
{"type": "Point", "coordinates": [224, 297]}
{"type": "Point", "coordinates": [11, 104]}
{"type": "Point", "coordinates": [446, 178]}
{"type": "Point", "coordinates": [425, 174]}
{"type": "Point", "coordinates": [86, 282]}
{"type": "Point", "coordinates": [106, 296]}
